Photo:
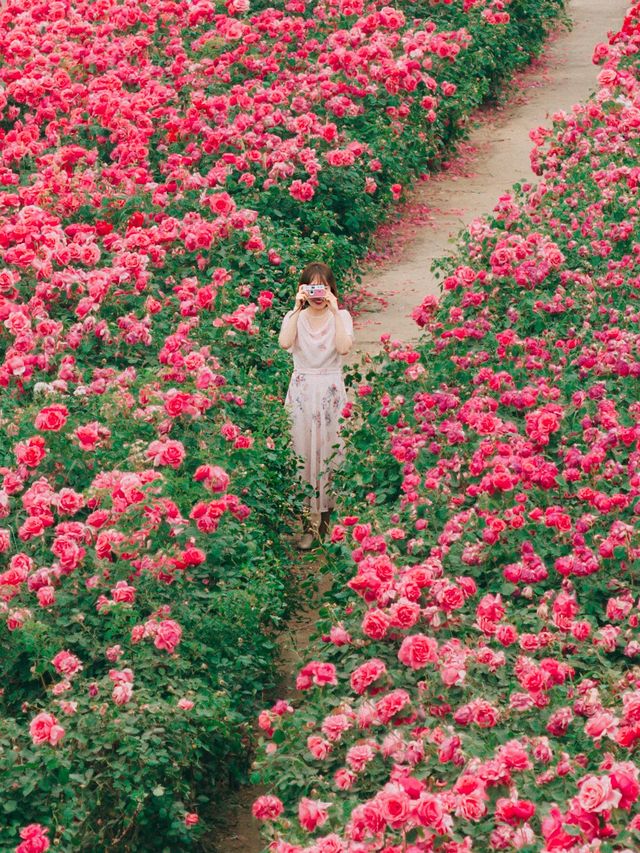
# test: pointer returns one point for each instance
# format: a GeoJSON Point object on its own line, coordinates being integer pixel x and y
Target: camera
{"type": "Point", "coordinates": [315, 290]}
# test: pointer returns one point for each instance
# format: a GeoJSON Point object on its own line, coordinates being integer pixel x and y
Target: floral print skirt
{"type": "Point", "coordinates": [315, 402]}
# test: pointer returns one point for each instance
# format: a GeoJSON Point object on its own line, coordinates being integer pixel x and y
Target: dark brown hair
{"type": "Point", "coordinates": [317, 270]}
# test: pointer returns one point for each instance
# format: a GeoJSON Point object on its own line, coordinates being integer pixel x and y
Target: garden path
{"type": "Point", "coordinates": [495, 156]}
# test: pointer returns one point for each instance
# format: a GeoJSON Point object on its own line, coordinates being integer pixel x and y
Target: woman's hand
{"type": "Point", "coordinates": [301, 298]}
{"type": "Point", "coordinates": [332, 302]}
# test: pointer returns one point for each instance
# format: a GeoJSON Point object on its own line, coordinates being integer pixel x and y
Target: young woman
{"type": "Point", "coordinates": [317, 333]}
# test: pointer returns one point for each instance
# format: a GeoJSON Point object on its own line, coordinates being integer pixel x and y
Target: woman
{"type": "Point", "coordinates": [318, 334]}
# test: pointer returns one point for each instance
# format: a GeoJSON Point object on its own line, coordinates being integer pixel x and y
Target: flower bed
{"type": "Point", "coordinates": [165, 169]}
{"type": "Point", "coordinates": [474, 684]}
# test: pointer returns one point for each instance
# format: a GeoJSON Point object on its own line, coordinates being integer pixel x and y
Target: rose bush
{"type": "Point", "coordinates": [484, 627]}
{"type": "Point", "coordinates": [165, 169]}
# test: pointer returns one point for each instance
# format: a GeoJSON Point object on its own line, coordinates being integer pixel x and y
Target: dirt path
{"type": "Point", "coordinates": [495, 156]}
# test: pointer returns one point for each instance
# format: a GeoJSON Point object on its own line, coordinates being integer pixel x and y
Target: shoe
{"type": "Point", "coordinates": [305, 542]}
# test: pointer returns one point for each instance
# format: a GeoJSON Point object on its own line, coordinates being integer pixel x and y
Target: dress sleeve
{"type": "Point", "coordinates": [284, 320]}
{"type": "Point", "coordinates": [348, 322]}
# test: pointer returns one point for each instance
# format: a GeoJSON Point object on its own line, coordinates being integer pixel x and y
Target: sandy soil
{"type": "Point", "coordinates": [495, 156]}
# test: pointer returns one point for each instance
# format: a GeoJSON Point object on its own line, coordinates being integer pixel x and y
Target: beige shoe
{"type": "Point", "coordinates": [305, 542]}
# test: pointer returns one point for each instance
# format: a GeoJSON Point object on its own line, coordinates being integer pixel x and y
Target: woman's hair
{"type": "Point", "coordinates": [320, 271]}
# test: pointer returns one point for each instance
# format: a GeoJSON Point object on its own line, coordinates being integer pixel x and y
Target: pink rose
{"type": "Point", "coordinates": [404, 613]}
{"type": "Point", "coordinates": [32, 452]}
{"type": "Point", "coordinates": [214, 477]}
{"type": "Point", "coordinates": [191, 819]}
{"type": "Point", "coordinates": [113, 653]}
{"type": "Point", "coordinates": [66, 663]}
{"type": "Point", "coordinates": [44, 728]}
{"type": "Point", "coordinates": [375, 624]}
{"type": "Point", "coordinates": [122, 592]}
{"type": "Point", "coordinates": [597, 794]}
{"type": "Point", "coordinates": [168, 635]}
{"type": "Point", "coordinates": [470, 807]}
{"type": "Point", "coordinates": [34, 839]}
{"type": "Point", "coordinates": [395, 805]}
{"type": "Point", "coordinates": [360, 755]}
{"type": "Point", "coordinates": [624, 778]}
{"type": "Point", "coordinates": [52, 418]}
{"type": "Point", "coordinates": [122, 692]}
{"type": "Point", "coordinates": [344, 778]}
{"type": "Point", "coordinates": [46, 596]}
{"type": "Point", "coordinates": [312, 813]}
{"type": "Point", "coordinates": [167, 452]}
{"type": "Point", "coordinates": [391, 704]}
{"type": "Point", "coordinates": [430, 811]}
{"type": "Point", "coordinates": [365, 675]}
{"type": "Point", "coordinates": [318, 673]}
{"type": "Point", "coordinates": [318, 747]}
{"type": "Point", "coordinates": [68, 501]}
{"type": "Point", "coordinates": [417, 650]}
{"type": "Point", "coordinates": [267, 808]}
{"type": "Point", "coordinates": [89, 435]}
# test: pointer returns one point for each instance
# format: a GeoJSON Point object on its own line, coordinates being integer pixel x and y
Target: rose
{"type": "Point", "coordinates": [365, 674]}
{"type": "Point", "coordinates": [394, 805]}
{"type": "Point", "coordinates": [113, 653]}
{"type": "Point", "coordinates": [169, 452]}
{"type": "Point", "coordinates": [44, 728]}
{"type": "Point", "coordinates": [375, 624]}
{"type": "Point", "coordinates": [344, 778]}
{"type": "Point", "coordinates": [66, 663]}
{"type": "Point", "coordinates": [32, 452]}
{"type": "Point", "coordinates": [69, 501]}
{"type": "Point", "coordinates": [404, 613]}
{"type": "Point", "coordinates": [168, 635]}
{"type": "Point", "coordinates": [417, 650]}
{"type": "Point", "coordinates": [318, 673]}
{"type": "Point", "coordinates": [122, 592]}
{"type": "Point", "coordinates": [597, 794]}
{"type": "Point", "coordinates": [34, 839]}
{"type": "Point", "coordinates": [46, 596]}
{"type": "Point", "coordinates": [267, 808]}
{"type": "Point", "coordinates": [318, 747]}
{"type": "Point", "coordinates": [514, 811]}
{"type": "Point", "coordinates": [334, 726]}
{"type": "Point", "coordinates": [214, 477]}
{"type": "Point", "coordinates": [312, 813]}
{"type": "Point", "coordinates": [470, 807]}
{"type": "Point", "coordinates": [624, 778]}
{"type": "Point", "coordinates": [52, 418]}
{"type": "Point", "coordinates": [387, 707]}
{"type": "Point", "coordinates": [122, 692]}
{"type": "Point", "coordinates": [431, 812]}
{"type": "Point", "coordinates": [68, 553]}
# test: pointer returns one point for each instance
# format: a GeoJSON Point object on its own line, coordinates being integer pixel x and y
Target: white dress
{"type": "Point", "coordinates": [315, 400]}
